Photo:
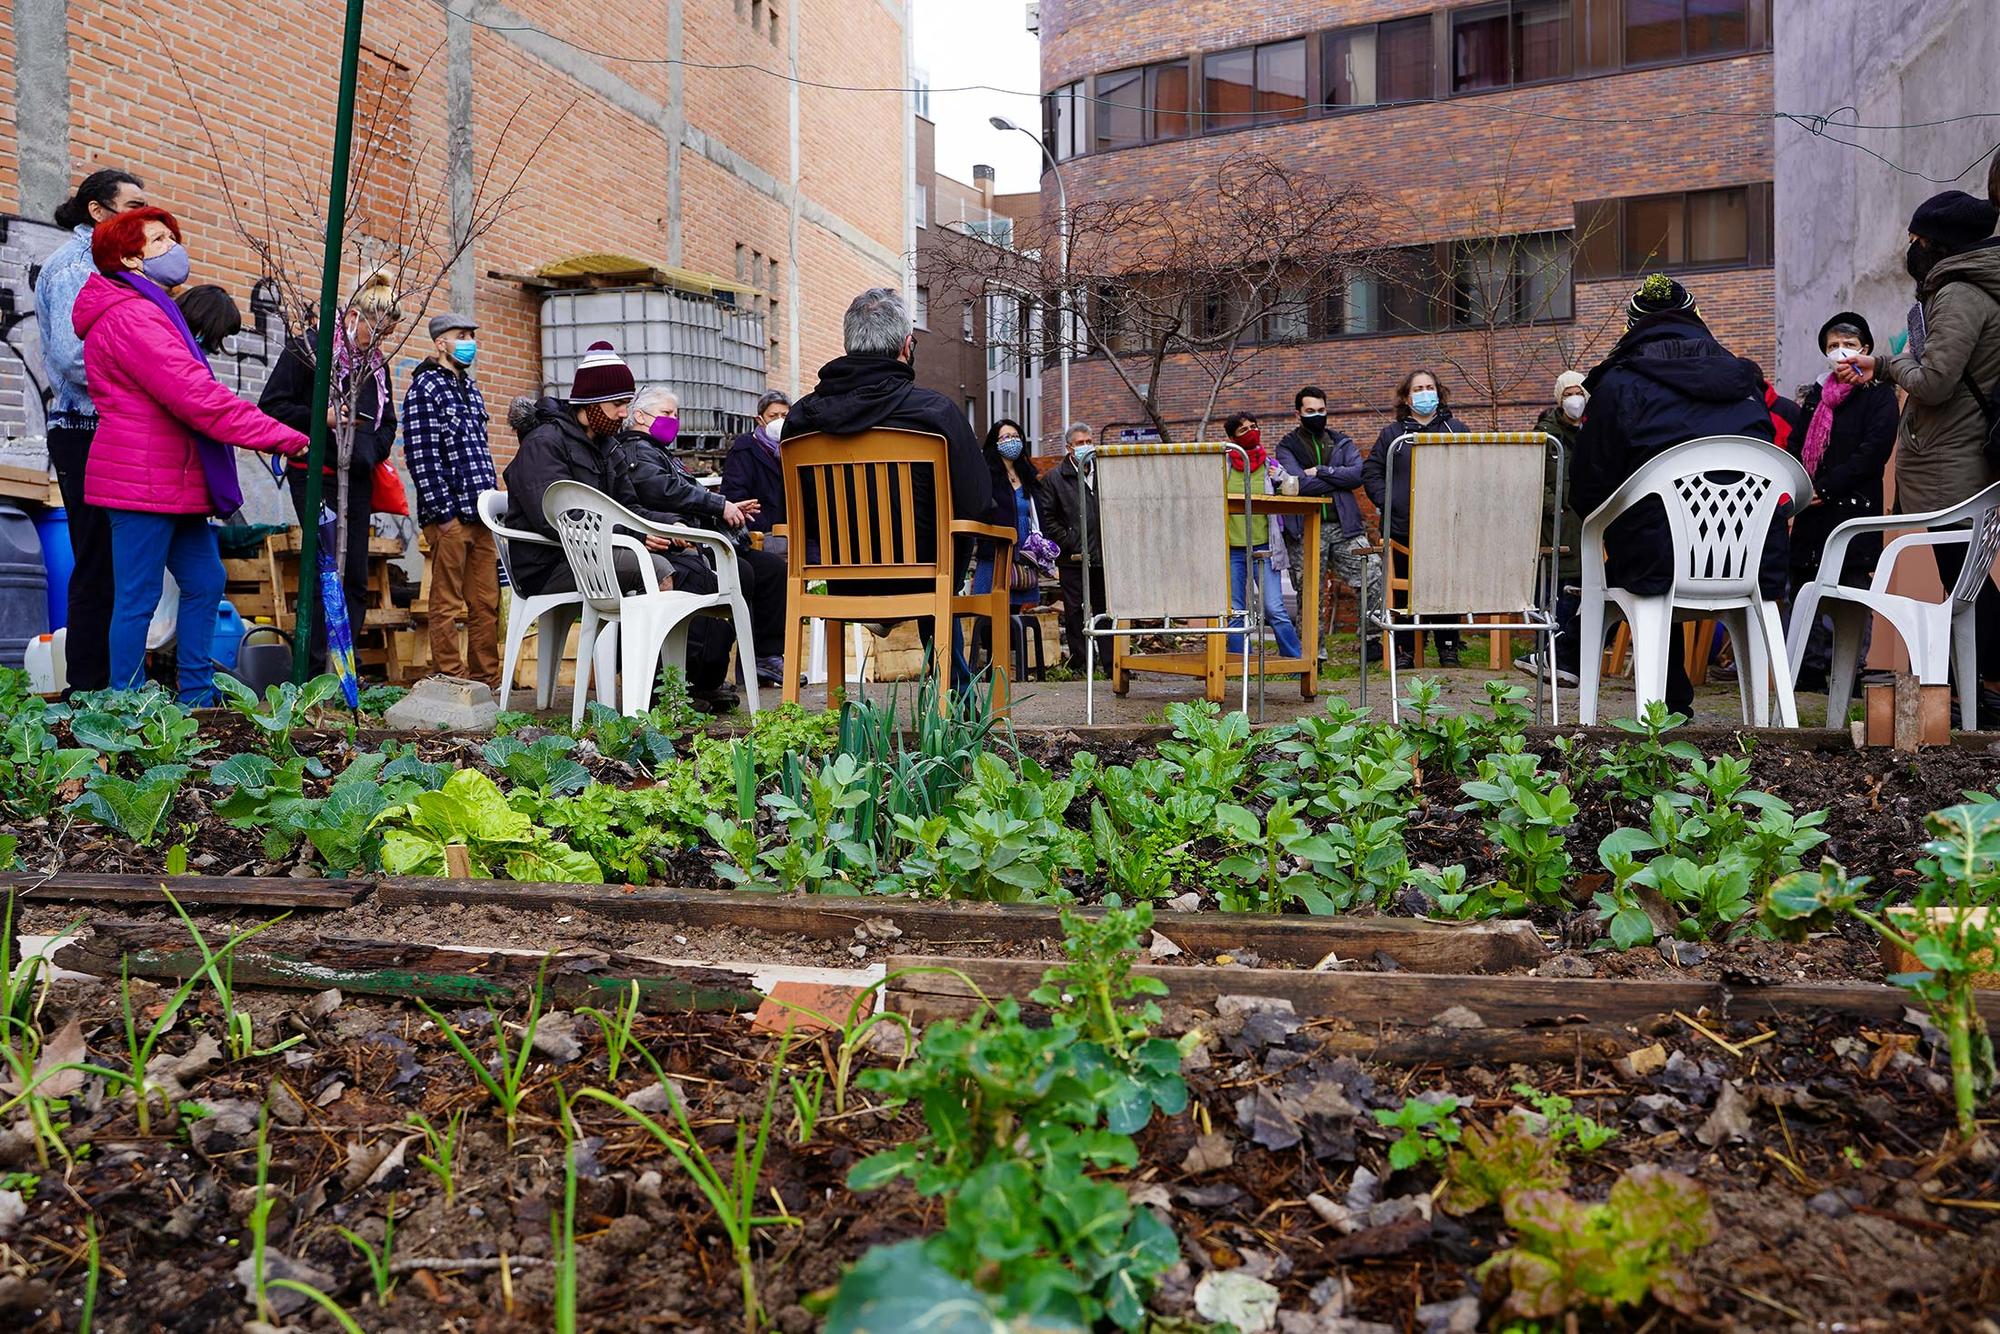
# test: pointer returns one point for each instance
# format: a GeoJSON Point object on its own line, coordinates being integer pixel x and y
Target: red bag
{"type": "Point", "coordinates": [390, 498]}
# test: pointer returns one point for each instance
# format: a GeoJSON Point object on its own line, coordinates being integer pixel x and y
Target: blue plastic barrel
{"type": "Point", "coordinates": [58, 560]}
{"type": "Point", "coordinates": [24, 585]}
{"type": "Point", "coordinates": [228, 635]}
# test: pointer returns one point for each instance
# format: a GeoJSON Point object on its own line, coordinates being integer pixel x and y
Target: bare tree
{"type": "Point", "coordinates": [1503, 288]}
{"type": "Point", "coordinates": [395, 222]}
{"type": "Point", "coordinates": [1210, 279]}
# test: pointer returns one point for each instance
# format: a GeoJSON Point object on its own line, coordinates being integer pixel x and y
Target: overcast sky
{"type": "Point", "coordinates": [961, 42]}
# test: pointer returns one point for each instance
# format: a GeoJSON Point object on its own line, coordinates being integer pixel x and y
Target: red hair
{"type": "Point", "coordinates": [115, 239]}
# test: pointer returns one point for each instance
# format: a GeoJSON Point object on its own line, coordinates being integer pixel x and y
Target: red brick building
{"type": "Point", "coordinates": [1542, 153]}
{"type": "Point", "coordinates": [654, 132]}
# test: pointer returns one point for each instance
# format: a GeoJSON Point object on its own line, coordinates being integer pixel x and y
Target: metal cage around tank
{"type": "Point", "coordinates": [710, 352]}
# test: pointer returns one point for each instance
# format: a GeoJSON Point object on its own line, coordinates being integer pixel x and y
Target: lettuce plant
{"type": "Point", "coordinates": [470, 810]}
{"type": "Point", "coordinates": [1569, 1256]}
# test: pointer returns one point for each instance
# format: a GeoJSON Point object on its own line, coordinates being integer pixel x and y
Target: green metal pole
{"type": "Point", "coordinates": [329, 315]}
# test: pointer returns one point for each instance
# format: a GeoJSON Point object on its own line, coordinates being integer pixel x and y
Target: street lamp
{"type": "Point", "coordinates": [1062, 299]}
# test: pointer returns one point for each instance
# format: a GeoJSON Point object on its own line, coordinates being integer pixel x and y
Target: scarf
{"type": "Point", "coordinates": [1781, 429]}
{"type": "Point", "coordinates": [769, 442]}
{"type": "Point", "coordinates": [1820, 429]}
{"type": "Point", "coordinates": [218, 461]}
{"type": "Point", "coordinates": [343, 362]}
{"type": "Point", "coordinates": [1256, 459]}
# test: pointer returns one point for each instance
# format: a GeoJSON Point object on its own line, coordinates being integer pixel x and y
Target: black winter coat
{"type": "Point", "coordinates": [866, 393]}
{"type": "Point", "coordinates": [752, 472]}
{"type": "Point", "coordinates": [1374, 471]}
{"type": "Point", "coordinates": [1061, 502]}
{"type": "Point", "coordinates": [1849, 481]}
{"type": "Point", "coordinates": [558, 449]}
{"type": "Point", "coordinates": [288, 397]}
{"type": "Point", "coordinates": [664, 484]}
{"type": "Point", "coordinates": [1668, 381]}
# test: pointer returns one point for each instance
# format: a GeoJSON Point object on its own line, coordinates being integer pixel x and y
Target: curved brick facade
{"type": "Point", "coordinates": [1441, 169]}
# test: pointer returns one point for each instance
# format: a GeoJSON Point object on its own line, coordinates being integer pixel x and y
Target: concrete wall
{"type": "Point", "coordinates": [1842, 216]}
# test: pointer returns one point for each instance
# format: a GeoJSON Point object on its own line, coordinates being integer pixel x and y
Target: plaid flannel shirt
{"type": "Point", "coordinates": [444, 439]}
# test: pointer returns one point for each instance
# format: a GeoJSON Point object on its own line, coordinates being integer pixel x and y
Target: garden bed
{"type": "Point", "coordinates": [1343, 916]}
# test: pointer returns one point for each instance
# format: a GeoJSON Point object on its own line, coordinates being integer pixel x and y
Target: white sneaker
{"type": "Point", "coordinates": [1530, 663]}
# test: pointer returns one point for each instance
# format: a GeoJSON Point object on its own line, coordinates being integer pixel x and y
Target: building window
{"type": "Point", "coordinates": [1512, 280]}
{"type": "Point", "coordinates": [1665, 30]}
{"type": "Point", "coordinates": [922, 316]}
{"type": "Point", "coordinates": [1410, 290]}
{"type": "Point", "coordinates": [1349, 76]}
{"type": "Point", "coordinates": [1509, 42]}
{"type": "Point", "coordinates": [1254, 85]}
{"type": "Point", "coordinates": [1168, 108]}
{"type": "Point", "coordinates": [1281, 82]}
{"type": "Point", "coordinates": [1062, 121]}
{"type": "Point", "coordinates": [923, 206]}
{"type": "Point", "coordinates": [965, 322]}
{"type": "Point", "coordinates": [1403, 52]}
{"type": "Point", "coordinates": [972, 413]}
{"type": "Point", "coordinates": [1121, 109]}
{"type": "Point", "coordinates": [1696, 229]}
{"type": "Point", "coordinates": [1228, 89]}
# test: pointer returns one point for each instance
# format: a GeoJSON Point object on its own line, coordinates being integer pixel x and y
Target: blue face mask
{"type": "Point", "coordinates": [169, 268]}
{"type": "Point", "coordinates": [464, 350]}
{"type": "Point", "coordinates": [1424, 402]}
{"type": "Point", "coordinates": [1010, 447]}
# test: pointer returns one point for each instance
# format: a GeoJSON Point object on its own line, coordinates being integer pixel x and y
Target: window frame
{"type": "Point", "coordinates": [1129, 76]}
{"type": "Point", "coordinates": [1211, 122]}
{"type": "Point", "coordinates": [1150, 109]}
{"type": "Point", "coordinates": [1509, 11]}
{"type": "Point", "coordinates": [1602, 254]}
{"type": "Point", "coordinates": [1517, 245]}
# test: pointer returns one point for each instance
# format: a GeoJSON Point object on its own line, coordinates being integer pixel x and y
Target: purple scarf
{"type": "Point", "coordinates": [343, 361]}
{"type": "Point", "coordinates": [1820, 430]}
{"type": "Point", "coordinates": [218, 461]}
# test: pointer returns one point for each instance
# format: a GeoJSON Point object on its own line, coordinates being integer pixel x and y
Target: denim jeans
{"type": "Point", "coordinates": [1275, 614]}
{"type": "Point", "coordinates": [142, 546]}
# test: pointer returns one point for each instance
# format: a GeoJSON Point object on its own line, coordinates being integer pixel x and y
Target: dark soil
{"type": "Point", "coordinates": [1833, 1206]}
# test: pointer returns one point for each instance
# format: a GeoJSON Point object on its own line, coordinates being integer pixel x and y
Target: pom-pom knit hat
{"type": "Point", "coordinates": [601, 377]}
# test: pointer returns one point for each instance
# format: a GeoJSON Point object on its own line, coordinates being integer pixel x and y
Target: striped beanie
{"type": "Point", "coordinates": [601, 377]}
{"type": "Point", "coordinates": [1658, 294]}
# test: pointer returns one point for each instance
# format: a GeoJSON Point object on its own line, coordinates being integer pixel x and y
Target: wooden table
{"type": "Point", "coordinates": [1214, 664]}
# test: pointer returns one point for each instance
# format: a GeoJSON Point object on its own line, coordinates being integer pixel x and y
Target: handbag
{"type": "Point", "coordinates": [389, 497]}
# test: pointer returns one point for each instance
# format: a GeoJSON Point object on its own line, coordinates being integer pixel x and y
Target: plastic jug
{"type": "Point", "coordinates": [47, 663]}
{"type": "Point", "coordinates": [229, 631]}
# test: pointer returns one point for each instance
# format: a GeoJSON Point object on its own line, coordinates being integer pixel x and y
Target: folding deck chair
{"type": "Point", "coordinates": [1165, 538]}
{"type": "Point", "coordinates": [1477, 506]}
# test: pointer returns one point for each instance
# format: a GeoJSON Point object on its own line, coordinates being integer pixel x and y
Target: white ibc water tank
{"type": "Point", "coordinates": [710, 353]}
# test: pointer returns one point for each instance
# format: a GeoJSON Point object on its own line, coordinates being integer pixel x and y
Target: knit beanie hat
{"type": "Point", "coordinates": [1848, 320]}
{"type": "Point", "coordinates": [1954, 220]}
{"type": "Point", "coordinates": [1567, 381]}
{"type": "Point", "coordinates": [1657, 295]}
{"type": "Point", "coordinates": [601, 377]}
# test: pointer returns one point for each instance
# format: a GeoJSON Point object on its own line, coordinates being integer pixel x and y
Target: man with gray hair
{"type": "Point", "coordinates": [1063, 498]}
{"type": "Point", "coordinates": [873, 388]}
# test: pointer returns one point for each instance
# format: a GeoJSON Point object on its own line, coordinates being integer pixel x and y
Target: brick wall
{"type": "Point", "coordinates": [1483, 164]}
{"type": "Point", "coordinates": [265, 79]}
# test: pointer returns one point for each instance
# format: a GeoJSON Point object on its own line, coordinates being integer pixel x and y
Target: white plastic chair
{"type": "Point", "coordinates": [1939, 635]}
{"type": "Point", "coordinates": [551, 614]}
{"type": "Point", "coordinates": [1721, 493]}
{"type": "Point", "coordinates": [652, 626]}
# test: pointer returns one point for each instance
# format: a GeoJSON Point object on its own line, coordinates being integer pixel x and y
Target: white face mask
{"type": "Point", "coordinates": [1840, 356]}
{"type": "Point", "coordinates": [1573, 407]}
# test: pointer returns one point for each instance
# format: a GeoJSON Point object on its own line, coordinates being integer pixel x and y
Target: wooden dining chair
{"type": "Point", "coordinates": [853, 514]}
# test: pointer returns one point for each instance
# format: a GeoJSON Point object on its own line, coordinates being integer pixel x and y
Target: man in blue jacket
{"type": "Point", "coordinates": [1327, 463]}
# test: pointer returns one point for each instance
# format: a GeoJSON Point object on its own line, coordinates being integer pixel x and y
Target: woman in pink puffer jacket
{"type": "Point", "coordinates": [160, 462]}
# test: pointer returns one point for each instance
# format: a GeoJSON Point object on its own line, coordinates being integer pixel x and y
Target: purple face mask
{"type": "Point", "coordinates": [664, 429]}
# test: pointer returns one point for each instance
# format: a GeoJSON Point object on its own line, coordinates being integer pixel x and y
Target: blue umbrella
{"type": "Point", "coordinates": [333, 613]}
